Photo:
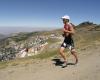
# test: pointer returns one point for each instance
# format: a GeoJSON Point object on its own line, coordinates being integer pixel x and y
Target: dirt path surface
{"type": "Point", "coordinates": [88, 68]}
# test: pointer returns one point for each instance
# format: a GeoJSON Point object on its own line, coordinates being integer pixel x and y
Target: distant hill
{"type": "Point", "coordinates": [89, 26]}
{"type": "Point", "coordinates": [10, 30]}
{"type": "Point", "coordinates": [82, 28]}
{"type": "Point", "coordinates": [2, 36]}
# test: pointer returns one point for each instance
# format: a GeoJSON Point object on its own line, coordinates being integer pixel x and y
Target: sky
{"type": "Point", "coordinates": [47, 13]}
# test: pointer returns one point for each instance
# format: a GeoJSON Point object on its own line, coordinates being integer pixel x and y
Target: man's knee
{"type": "Point", "coordinates": [73, 51]}
{"type": "Point", "coordinates": [62, 50]}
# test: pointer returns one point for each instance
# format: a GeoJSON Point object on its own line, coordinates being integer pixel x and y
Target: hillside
{"type": "Point", "coordinates": [87, 34]}
{"type": "Point", "coordinates": [39, 42]}
{"type": "Point", "coordinates": [17, 44]}
{"type": "Point", "coordinates": [46, 61]}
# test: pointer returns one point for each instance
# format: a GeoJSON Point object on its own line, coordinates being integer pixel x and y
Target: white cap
{"type": "Point", "coordinates": [65, 17]}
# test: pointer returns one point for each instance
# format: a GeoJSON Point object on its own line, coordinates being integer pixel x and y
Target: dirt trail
{"type": "Point", "coordinates": [88, 68]}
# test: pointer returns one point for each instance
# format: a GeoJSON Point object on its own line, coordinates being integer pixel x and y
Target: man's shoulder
{"type": "Point", "coordinates": [70, 24]}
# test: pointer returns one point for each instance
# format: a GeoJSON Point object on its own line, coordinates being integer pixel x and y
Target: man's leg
{"type": "Point", "coordinates": [63, 54]}
{"type": "Point", "coordinates": [73, 52]}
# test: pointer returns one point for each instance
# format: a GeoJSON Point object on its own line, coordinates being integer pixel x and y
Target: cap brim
{"type": "Point", "coordinates": [64, 18]}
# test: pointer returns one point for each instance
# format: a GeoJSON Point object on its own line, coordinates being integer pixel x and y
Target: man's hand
{"type": "Point", "coordinates": [65, 30]}
{"type": "Point", "coordinates": [71, 31]}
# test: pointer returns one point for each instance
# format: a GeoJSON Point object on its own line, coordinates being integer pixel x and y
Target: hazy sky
{"type": "Point", "coordinates": [47, 13]}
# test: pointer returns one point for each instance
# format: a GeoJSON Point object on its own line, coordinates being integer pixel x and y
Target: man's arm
{"type": "Point", "coordinates": [72, 31]}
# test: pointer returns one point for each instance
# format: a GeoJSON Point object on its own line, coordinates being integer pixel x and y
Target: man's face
{"type": "Point", "coordinates": [65, 21]}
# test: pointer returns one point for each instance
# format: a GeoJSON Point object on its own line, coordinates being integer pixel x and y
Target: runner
{"type": "Point", "coordinates": [68, 40]}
